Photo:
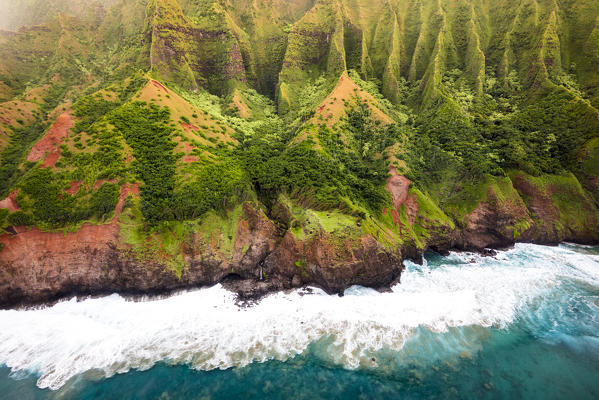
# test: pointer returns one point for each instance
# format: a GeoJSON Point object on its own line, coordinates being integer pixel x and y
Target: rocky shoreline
{"type": "Point", "coordinates": [290, 248]}
{"type": "Point", "coordinates": [97, 272]}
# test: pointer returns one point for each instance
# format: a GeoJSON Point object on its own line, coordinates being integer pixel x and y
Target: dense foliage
{"type": "Point", "coordinates": [146, 130]}
{"type": "Point", "coordinates": [463, 136]}
{"type": "Point", "coordinates": [23, 137]}
{"type": "Point", "coordinates": [48, 205]}
{"type": "Point", "coordinates": [335, 176]}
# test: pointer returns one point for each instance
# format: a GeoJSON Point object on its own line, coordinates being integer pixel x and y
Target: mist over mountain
{"type": "Point", "coordinates": [18, 13]}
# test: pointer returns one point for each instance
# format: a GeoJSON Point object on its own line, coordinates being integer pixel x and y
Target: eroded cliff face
{"type": "Point", "coordinates": [292, 247]}
{"type": "Point", "coordinates": [37, 267]}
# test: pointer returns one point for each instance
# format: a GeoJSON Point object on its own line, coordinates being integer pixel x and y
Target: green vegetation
{"type": "Point", "coordinates": [104, 200]}
{"type": "Point", "coordinates": [214, 187]}
{"type": "Point", "coordinates": [146, 130]}
{"type": "Point", "coordinates": [20, 218]}
{"type": "Point", "coordinates": [3, 214]}
{"type": "Point", "coordinates": [13, 155]}
{"type": "Point", "coordinates": [311, 103]}
{"type": "Point", "coordinates": [23, 137]}
{"type": "Point", "coordinates": [45, 203]}
{"type": "Point", "coordinates": [573, 210]}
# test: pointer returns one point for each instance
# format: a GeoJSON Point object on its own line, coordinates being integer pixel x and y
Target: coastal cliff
{"type": "Point", "coordinates": [282, 251]}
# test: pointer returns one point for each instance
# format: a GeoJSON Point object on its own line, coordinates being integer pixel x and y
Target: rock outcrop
{"type": "Point", "coordinates": [37, 267]}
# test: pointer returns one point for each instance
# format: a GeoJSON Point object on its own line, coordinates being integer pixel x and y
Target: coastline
{"type": "Point", "coordinates": [248, 290]}
{"type": "Point", "coordinates": [254, 253]}
{"type": "Point", "coordinates": [446, 310]}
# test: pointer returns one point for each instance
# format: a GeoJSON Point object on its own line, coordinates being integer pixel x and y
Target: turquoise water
{"type": "Point", "coordinates": [522, 325]}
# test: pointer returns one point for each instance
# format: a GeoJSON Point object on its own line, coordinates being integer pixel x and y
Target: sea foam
{"type": "Point", "coordinates": [207, 330]}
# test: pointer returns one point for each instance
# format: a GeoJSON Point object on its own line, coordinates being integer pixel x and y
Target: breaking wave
{"type": "Point", "coordinates": [206, 330]}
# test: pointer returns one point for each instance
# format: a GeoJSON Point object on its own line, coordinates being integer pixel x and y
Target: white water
{"type": "Point", "coordinates": [205, 328]}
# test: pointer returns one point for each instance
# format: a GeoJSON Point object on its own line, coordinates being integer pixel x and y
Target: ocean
{"type": "Point", "coordinates": [523, 324]}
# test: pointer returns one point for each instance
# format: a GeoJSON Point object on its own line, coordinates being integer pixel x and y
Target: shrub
{"type": "Point", "coordinates": [146, 130]}
{"type": "Point", "coordinates": [104, 200]}
{"type": "Point", "coordinates": [215, 187]}
{"type": "Point", "coordinates": [20, 218]}
{"type": "Point", "coordinates": [3, 214]}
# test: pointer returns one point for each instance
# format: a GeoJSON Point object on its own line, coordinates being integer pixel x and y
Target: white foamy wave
{"type": "Point", "coordinates": [205, 328]}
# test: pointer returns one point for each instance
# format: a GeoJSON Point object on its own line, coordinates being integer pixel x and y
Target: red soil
{"type": "Point", "coordinates": [101, 181]}
{"type": "Point", "coordinates": [399, 186]}
{"type": "Point", "coordinates": [10, 202]}
{"type": "Point", "coordinates": [37, 243]}
{"type": "Point", "coordinates": [159, 86]}
{"type": "Point", "coordinates": [126, 190]}
{"type": "Point", "coordinates": [189, 127]}
{"type": "Point", "coordinates": [394, 214]}
{"type": "Point", "coordinates": [411, 208]}
{"type": "Point", "coordinates": [190, 159]}
{"type": "Point", "coordinates": [51, 159]}
{"type": "Point", "coordinates": [50, 143]}
{"type": "Point", "coordinates": [73, 187]}
{"type": "Point", "coordinates": [93, 237]}
{"type": "Point", "coordinates": [188, 148]}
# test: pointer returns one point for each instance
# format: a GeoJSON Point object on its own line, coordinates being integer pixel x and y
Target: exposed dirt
{"type": "Point", "coordinates": [99, 183]}
{"type": "Point", "coordinates": [332, 266]}
{"type": "Point", "coordinates": [334, 108]}
{"type": "Point", "coordinates": [238, 104]}
{"type": "Point", "coordinates": [159, 86]}
{"type": "Point", "coordinates": [189, 159]}
{"type": "Point", "coordinates": [153, 92]}
{"type": "Point", "coordinates": [126, 190]}
{"type": "Point", "coordinates": [48, 148]}
{"type": "Point", "coordinates": [40, 266]}
{"type": "Point", "coordinates": [189, 127]}
{"type": "Point", "coordinates": [398, 186]}
{"type": "Point", "coordinates": [73, 187]}
{"type": "Point", "coordinates": [411, 205]}
{"type": "Point", "coordinates": [43, 266]}
{"type": "Point", "coordinates": [11, 202]}
{"type": "Point", "coordinates": [188, 149]}
{"type": "Point", "coordinates": [491, 224]}
{"type": "Point", "coordinates": [548, 223]}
